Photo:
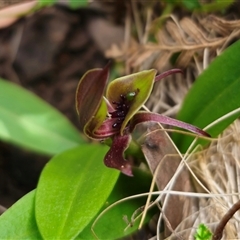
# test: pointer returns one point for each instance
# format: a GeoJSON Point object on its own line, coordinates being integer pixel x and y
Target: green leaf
{"type": "Point", "coordinates": [214, 94]}
{"type": "Point", "coordinates": [111, 225]}
{"type": "Point", "coordinates": [46, 3]}
{"type": "Point", "coordinates": [78, 3]}
{"type": "Point", "coordinates": [28, 121]}
{"type": "Point", "coordinates": [72, 189]}
{"type": "Point", "coordinates": [217, 5]}
{"type": "Point", "coordinates": [172, 1]}
{"type": "Point", "coordinates": [18, 222]}
{"type": "Point", "coordinates": [136, 88]}
{"type": "Point", "coordinates": [203, 233]}
{"type": "Point", "coordinates": [191, 5]}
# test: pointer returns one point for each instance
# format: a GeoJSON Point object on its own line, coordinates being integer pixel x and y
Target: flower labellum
{"type": "Point", "coordinates": [115, 115]}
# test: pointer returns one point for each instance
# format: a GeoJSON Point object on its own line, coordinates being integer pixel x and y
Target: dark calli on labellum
{"type": "Point", "coordinates": [116, 114]}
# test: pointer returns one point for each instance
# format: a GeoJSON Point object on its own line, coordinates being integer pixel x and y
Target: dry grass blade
{"type": "Point", "coordinates": [219, 168]}
{"type": "Point", "coordinates": [221, 26]}
{"type": "Point", "coordinates": [188, 37]}
{"type": "Point", "coordinates": [168, 94]}
{"type": "Point", "coordinates": [185, 36]}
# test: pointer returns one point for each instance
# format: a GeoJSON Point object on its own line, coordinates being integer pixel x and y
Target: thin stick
{"type": "Point", "coordinates": [138, 22]}
{"type": "Point", "coordinates": [221, 225]}
{"type": "Point", "coordinates": [127, 36]}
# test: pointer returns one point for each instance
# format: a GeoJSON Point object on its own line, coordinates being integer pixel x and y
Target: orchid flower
{"type": "Point", "coordinates": [116, 114]}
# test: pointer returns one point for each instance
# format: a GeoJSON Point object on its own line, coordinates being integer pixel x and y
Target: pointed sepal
{"type": "Point", "coordinates": [135, 89]}
{"type": "Point", "coordinates": [91, 107]}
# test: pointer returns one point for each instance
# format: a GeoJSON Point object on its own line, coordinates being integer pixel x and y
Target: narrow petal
{"type": "Point", "coordinates": [142, 116]}
{"type": "Point", "coordinates": [167, 73]}
{"type": "Point", "coordinates": [115, 156]}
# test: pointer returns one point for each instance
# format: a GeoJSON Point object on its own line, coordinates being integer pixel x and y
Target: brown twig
{"type": "Point", "coordinates": [220, 227]}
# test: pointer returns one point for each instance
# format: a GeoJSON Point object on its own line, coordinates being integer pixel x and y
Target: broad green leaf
{"type": "Point", "coordinates": [172, 1]}
{"type": "Point", "coordinates": [78, 3]}
{"type": "Point", "coordinates": [191, 5]}
{"type": "Point", "coordinates": [214, 94]}
{"type": "Point", "coordinates": [111, 225]}
{"type": "Point", "coordinates": [28, 121]}
{"type": "Point", "coordinates": [217, 5]}
{"type": "Point", "coordinates": [136, 88]}
{"type": "Point", "coordinates": [18, 222]}
{"type": "Point", "coordinates": [72, 189]}
{"type": "Point", "coordinates": [46, 3]}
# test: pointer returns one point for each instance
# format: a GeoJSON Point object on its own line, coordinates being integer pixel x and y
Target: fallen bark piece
{"type": "Point", "coordinates": [159, 150]}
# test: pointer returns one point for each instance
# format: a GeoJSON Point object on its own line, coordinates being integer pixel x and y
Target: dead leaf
{"type": "Point", "coordinates": [159, 150]}
{"type": "Point", "coordinates": [11, 14]}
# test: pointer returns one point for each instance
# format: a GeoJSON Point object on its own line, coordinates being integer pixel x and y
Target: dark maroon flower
{"type": "Point", "coordinates": [116, 115]}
